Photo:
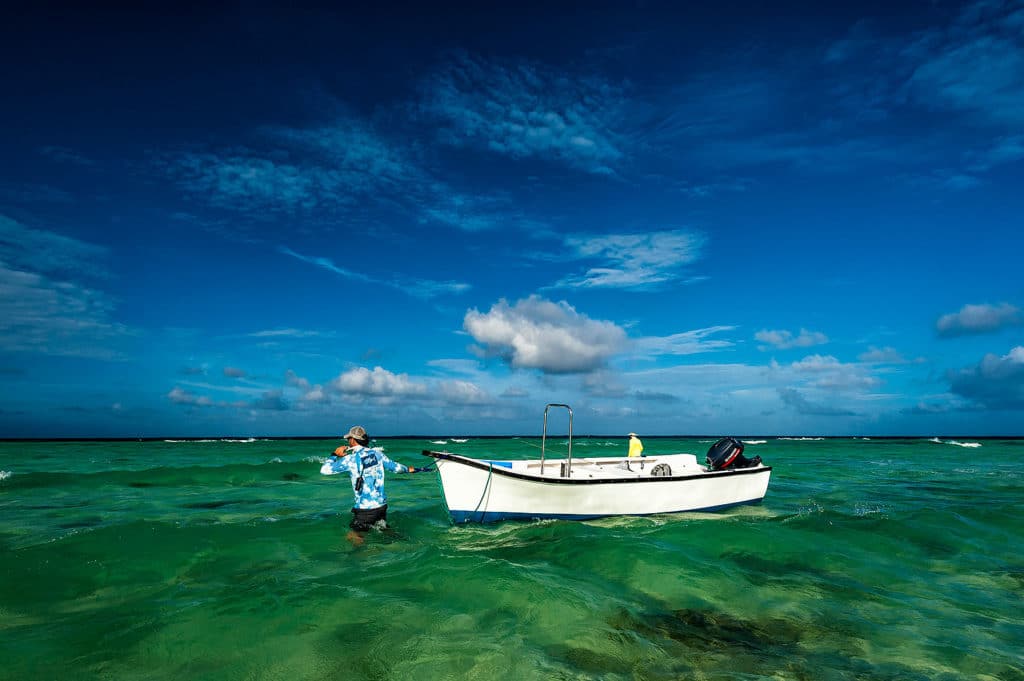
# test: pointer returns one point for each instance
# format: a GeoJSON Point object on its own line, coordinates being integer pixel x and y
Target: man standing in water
{"type": "Point", "coordinates": [365, 466]}
{"type": "Point", "coordinates": [636, 448]}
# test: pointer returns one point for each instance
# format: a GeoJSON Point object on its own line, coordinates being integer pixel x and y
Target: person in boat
{"type": "Point", "coordinates": [636, 448]}
{"type": "Point", "coordinates": [365, 466]}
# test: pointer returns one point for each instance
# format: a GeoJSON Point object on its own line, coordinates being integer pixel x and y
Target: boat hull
{"type": "Point", "coordinates": [484, 491]}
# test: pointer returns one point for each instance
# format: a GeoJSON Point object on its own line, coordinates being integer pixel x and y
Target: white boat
{"type": "Point", "coordinates": [486, 490]}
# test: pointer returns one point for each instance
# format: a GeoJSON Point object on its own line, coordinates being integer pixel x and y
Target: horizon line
{"type": "Point", "coordinates": [416, 436]}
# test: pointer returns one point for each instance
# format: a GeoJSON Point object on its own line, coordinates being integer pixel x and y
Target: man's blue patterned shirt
{"type": "Point", "coordinates": [371, 464]}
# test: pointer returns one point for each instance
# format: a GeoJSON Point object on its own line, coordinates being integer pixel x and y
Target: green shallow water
{"type": "Point", "coordinates": [869, 559]}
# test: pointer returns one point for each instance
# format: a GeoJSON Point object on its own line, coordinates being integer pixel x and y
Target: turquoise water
{"type": "Point", "coordinates": [869, 559]}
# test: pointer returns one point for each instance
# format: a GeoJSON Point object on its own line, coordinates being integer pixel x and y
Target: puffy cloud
{"type": "Point", "coordinates": [886, 355]}
{"type": "Point", "coordinates": [783, 339]}
{"type": "Point", "coordinates": [976, 319]}
{"type": "Point", "coordinates": [802, 405]}
{"type": "Point", "coordinates": [272, 400]}
{"type": "Point", "coordinates": [377, 383]}
{"type": "Point", "coordinates": [463, 392]}
{"type": "Point", "coordinates": [181, 396]}
{"type": "Point", "coordinates": [996, 382]}
{"type": "Point", "coordinates": [539, 334]}
{"type": "Point", "coordinates": [816, 363]}
{"type": "Point", "coordinates": [832, 375]}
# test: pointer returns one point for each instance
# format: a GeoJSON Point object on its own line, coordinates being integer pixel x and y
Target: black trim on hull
{"type": "Point", "coordinates": [498, 470]}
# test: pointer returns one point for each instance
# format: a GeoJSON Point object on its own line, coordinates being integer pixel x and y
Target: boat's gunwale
{"type": "Point", "coordinates": [501, 471]}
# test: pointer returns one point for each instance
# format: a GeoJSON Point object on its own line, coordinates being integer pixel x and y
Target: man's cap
{"type": "Point", "coordinates": [358, 433]}
{"type": "Point", "coordinates": [632, 434]}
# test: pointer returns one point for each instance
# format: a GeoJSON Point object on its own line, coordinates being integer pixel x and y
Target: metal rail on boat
{"type": "Point", "coordinates": [567, 466]}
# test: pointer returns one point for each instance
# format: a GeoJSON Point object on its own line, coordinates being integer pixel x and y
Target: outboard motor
{"type": "Point", "coordinates": [728, 453]}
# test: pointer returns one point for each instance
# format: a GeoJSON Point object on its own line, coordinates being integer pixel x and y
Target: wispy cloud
{"type": "Point", "coordinates": [47, 252]}
{"type": "Point", "coordinates": [327, 264]}
{"type": "Point", "coordinates": [45, 307]}
{"type": "Point", "coordinates": [633, 261]}
{"type": "Point", "coordinates": [847, 105]}
{"type": "Point", "coordinates": [287, 333]}
{"type": "Point", "coordinates": [686, 343]}
{"type": "Point", "coordinates": [977, 65]}
{"type": "Point", "coordinates": [66, 155]}
{"type": "Point", "coordinates": [539, 334]}
{"type": "Point", "coordinates": [246, 181]}
{"type": "Point", "coordinates": [419, 288]}
{"type": "Point", "coordinates": [978, 319]}
{"type": "Point", "coordinates": [290, 169]}
{"type": "Point", "coordinates": [526, 110]}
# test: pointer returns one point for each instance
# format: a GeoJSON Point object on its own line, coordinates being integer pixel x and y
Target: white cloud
{"type": "Point", "coordinates": [976, 319]}
{"type": "Point", "coordinates": [886, 355]}
{"type": "Point", "coordinates": [379, 382]}
{"type": "Point", "coordinates": [538, 334]}
{"type": "Point", "coordinates": [815, 363]}
{"type": "Point", "coordinates": [294, 380]}
{"type": "Point", "coordinates": [181, 396]}
{"type": "Point", "coordinates": [636, 261]}
{"type": "Point", "coordinates": [996, 382]}
{"type": "Point", "coordinates": [463, 392]}
{"type": "Point", "coordinates": [832, 375]}
{"type": "Point", "coordinates": [783, 339]}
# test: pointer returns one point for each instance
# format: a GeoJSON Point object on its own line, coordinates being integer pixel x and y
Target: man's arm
{"type": "Point", "coordinates": [335, 463]}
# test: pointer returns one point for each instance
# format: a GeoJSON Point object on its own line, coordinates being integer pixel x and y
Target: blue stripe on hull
{"type": "Point", "coordinates": [495, 516]}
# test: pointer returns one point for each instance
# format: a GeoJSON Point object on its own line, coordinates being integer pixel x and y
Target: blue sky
{"type": "Point", "coordinates": [679, 220]}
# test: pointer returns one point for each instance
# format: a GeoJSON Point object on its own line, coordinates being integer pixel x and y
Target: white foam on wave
{"type": "Point", "coordinates": [754, 442]}
{"type": "Point", "coordinates": [214, 439]}
{"type": "Point", "coordinates": [439, 442]}
{"type": "Point", "coordinates": [971, 445]}
{"type": "Point", "coordinates": [801, 438]}
{"type": "Point", "coordinates": [460, 441]}
{"type": "Point", "coordinates": [5, 474]}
